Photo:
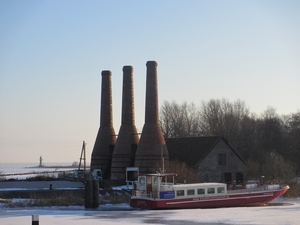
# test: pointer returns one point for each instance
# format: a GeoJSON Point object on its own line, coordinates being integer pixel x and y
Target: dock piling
{"type": "Point", "coordinates": [35, 220]}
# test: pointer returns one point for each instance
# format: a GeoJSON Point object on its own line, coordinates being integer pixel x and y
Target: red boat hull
{"type": "Point", "coordinates": [228, 200]}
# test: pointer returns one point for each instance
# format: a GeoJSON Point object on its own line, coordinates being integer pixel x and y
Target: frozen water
{"type": "Point", "coordinates": [281, 211]}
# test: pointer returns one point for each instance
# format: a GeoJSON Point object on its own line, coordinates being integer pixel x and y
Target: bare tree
{"type": "Point", "coordinates": [185, 173]}
{"type": "Point", "coordinates": [166, 118]}
{"type": "Point", "coordinates": [276, 167]}
{"type": "Point", "coordinates": [272, 131]}
{"type": "Point", "coordinates": [179, 120]}
{"type": "Point", "coordinates": [256, 138]}
{"type": "Point", "coordinates": [292, 137]}
{"type": "Point", "coordinates": [248, 142]}
{"type": "Point", "coordinates": [221, 117]}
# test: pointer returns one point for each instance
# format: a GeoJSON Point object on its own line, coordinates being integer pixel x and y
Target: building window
{"type": "Point", "coordinates": [222, 159]}
{"type": "Point", "coordinates": [227, 177]}
{"type": "Point", "coordinates": [191, 192]}
{"type": "Point", "coordinates": [239, 177]}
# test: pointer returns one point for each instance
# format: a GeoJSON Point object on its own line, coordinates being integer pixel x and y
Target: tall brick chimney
{"type": "Point", "coordinates": [128, 139]}
{"type": "Point", "coordinates": [152, 144]}
{"type": "Point", "coordinates": [106, 137]}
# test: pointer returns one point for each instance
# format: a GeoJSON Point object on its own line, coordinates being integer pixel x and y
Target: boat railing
{"type": "Point", "coordinates": [145, 194]}
{"type": "Point", "coordinates": [166, 183]}
{"type": "Point", "coordinates": [264, 187]}
{"type": "Point", "coordinates": [273, 186]}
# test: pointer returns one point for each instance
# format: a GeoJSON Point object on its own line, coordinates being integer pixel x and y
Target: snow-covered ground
{"type": "Point", "coordinates": [39, 185]}
{"type": "Point", "coordinates": [282, 211]}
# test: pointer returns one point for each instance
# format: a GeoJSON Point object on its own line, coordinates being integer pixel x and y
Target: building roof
{"type": "Point", "coordinates": [191, 150]}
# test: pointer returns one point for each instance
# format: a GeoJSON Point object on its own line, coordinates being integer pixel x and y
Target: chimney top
{"type": "Point", "coordinates": [151, 63]}
{"type": "Point", "coordinates": [106, 73]}
{"type": "Point", "coordinates": [127, 68]}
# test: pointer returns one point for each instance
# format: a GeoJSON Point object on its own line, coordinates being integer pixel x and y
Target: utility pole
{"type": "Point", "coordinates": [83, 157]}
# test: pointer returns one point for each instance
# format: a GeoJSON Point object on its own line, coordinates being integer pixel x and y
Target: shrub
{"type": "Point", "coordinates": [184, 172]}
{"type": "Point", "coordinates": [47, 198]}
{"type": "Point", "coordinates": [294, 190]}
{"type": "Point", "coordinates": [115, 198]}
{"type": "Point", "coordinates": [275, 168]}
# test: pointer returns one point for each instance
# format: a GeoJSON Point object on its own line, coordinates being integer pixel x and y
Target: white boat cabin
{"type": "Point", "coordinates": [162, 186]}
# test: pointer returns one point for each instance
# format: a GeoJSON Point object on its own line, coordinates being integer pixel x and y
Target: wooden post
{"type": "Point", "coordinates": [35, 220]}
{"type": "Point", "coordinates": [95, 195]}
{"type": "Point", "coordinates": [88, 194]}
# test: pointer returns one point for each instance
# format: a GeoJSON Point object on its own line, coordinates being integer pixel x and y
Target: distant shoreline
{"type": "Point", "coordinates": [58, 166]}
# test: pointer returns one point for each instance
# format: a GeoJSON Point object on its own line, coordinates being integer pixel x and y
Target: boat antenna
{"type": "Point", "coordinates": [163, 160]}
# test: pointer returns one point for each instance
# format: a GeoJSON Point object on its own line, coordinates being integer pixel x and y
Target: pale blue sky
{"type": "Point", "coordinates": [52, 54]}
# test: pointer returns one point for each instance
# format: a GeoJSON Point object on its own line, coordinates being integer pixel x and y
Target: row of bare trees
{"type": "Point", "coordinates": [256, 138]}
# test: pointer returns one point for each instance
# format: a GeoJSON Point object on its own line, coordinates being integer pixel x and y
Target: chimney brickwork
{"type": "Point", "coordinates": [152, 144]}
{"type": "Point", "coordinates": [106, 137]}
{"type": "Point", "coordinates": [128, 139]}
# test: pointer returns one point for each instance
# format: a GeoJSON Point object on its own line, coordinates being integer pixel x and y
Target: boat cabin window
{"type": "Point", "coordinates": [191, 192]}
{"type": "Point", "coordinates": [180, 193]}
{"type": "Point", "coordinates": [155, 180]}
{"type": "Point", "coordinates": [148, 180]}
{"type": "Point", "coordinates": [201, 191]}
{"type": "Point", "coordinates": [221, 190]}
{"type": "Point", "coordinates": [142, 180]}
{"type": "Point", "coordinates": [210, 190]}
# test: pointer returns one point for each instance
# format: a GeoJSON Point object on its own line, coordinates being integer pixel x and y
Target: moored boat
{"type": "Point", "coordinates": [159, 191]}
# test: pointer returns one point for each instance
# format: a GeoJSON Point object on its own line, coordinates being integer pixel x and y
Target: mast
{"type": "Point", "coordinates": [163, 160]}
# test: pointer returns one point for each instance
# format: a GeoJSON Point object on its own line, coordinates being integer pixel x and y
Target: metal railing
{"type": "Point", "coordinates": [145, 194]}
{"type": "Point", "coordinates": [264, 187]}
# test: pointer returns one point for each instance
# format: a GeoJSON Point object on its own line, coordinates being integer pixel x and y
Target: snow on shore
{"type": "Point", "coordinates": [282, 211]}
{"type": "Point", "coordinates": [39, 185]}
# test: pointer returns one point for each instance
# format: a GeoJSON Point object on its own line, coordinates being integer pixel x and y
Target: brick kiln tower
{"type": "Point", "coordinates": [106, 137]}
{"type": "Point", "coordinates": [152, 144]}
{"type": "Point", "coordinates": [128, 139]}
